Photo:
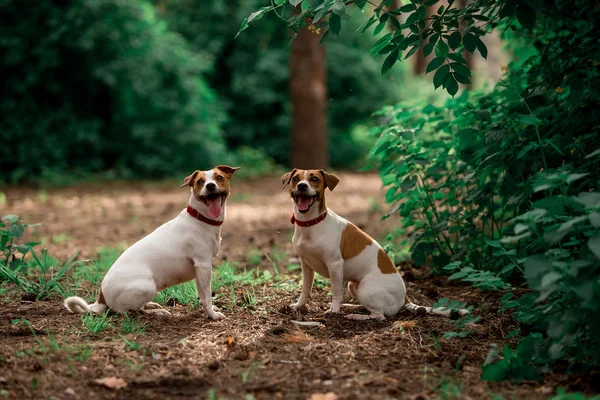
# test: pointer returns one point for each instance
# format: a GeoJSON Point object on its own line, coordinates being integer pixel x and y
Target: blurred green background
{"type": "Point", "coordinates": [121, 89]}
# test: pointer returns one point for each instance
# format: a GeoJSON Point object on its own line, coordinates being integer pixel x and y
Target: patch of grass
{"type": "Point", "coordinates": [96, 323]}
{"type": "Point", "coordinates": [273, 264]}
{"type": "Point", "coordinates": [449, 389]}
{"type": "Point", "coordinates": [40, 276]}
{"type": "Point", "coordinates": [253, 257]}
{"type": "Point", "coordinates": [61, 238]}
{"type": "Point", "coordinates": [250, 373]}
{"type": "Point", "coordinates": [249, 297]}
{"type": "Point", "coordinates": [50, 344]}
{"type": "Point", "coordinates": [131, 345]}
{"type": "Point", "coordinates": [131, 324]}
{"type": "Point", "coordinates": [184, 293]}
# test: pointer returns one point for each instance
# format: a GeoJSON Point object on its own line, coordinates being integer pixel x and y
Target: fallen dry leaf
{"type": "Point", "coordinates": [297, 336]}
{"type": "Point", "coordinates": [230, 341]}
{"type": "Point", "coordinates": [404, 325]}
{"type": "Point", "coordinates": [112, 382]}
{"type": "Point", "coordinates": [321, 396]}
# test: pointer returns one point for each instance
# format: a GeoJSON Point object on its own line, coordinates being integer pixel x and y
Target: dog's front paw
{"type": "Point", "coordinates": [216, 316]}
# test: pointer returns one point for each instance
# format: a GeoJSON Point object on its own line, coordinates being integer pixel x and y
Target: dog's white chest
{"type": "Point", "coordinates": [312, 253]}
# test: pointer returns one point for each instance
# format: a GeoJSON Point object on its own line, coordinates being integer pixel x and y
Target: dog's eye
{"type": "Point", "coordinates": [314, 179]}
{"type": "Point", "coordinates": [295, 179]}
{"type": "Point", "coordinates": [219, 178]}
{"type": "Point", "coordinates": [200, 182]}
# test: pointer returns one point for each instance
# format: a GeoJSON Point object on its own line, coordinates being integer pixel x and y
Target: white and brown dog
{"type": "Point", "coordinates": [177, 251]}
{"type": "Point", "coordinates": [336, 249]}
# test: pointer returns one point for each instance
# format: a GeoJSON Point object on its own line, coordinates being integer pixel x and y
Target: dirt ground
{"type": "Point", "coordinates": [257, 352]}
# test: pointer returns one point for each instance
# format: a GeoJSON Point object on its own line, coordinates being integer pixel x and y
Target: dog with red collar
{"type": "Point", "coordinates": [335, 248]}
{"type": "Point", "coordinates": [177, 251]}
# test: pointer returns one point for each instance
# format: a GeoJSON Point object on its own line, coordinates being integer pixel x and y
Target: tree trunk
{"type": "Point", "coordinates": [308, 92]}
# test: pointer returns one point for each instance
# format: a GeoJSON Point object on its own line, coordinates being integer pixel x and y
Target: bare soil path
{"type": "Point", "coordinates": [257, 352]}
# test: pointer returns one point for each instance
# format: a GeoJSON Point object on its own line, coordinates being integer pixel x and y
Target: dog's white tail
{"type": "Point", "coordinates": [78, 305]}
{"type": "Point", "coordinates": [443, 311]}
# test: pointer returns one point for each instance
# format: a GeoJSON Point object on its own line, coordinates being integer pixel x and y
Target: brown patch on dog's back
{"type": "Point", "coordinates": [385, 263]}
{"type": "Point", "coordinates": [353, 241]}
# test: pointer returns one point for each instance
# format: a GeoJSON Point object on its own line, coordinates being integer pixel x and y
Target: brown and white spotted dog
{"type": "Point", "coordinates": [335, 248]}
{"type": "Point", "coordinates": [176, 252]}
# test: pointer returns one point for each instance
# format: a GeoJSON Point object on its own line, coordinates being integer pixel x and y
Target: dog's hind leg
{"type": "Point", "coordinates": [135, 296]}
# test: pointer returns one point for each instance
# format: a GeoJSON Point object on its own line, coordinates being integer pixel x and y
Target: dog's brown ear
{"type": "Point", "coordinates": [287, 177]}
{"type": "Point", "coordinates": [330, 179]}
{"type": "Point", "coordinates": [189, 180]}
{"type": "Point", "coordinates": [227, 170]}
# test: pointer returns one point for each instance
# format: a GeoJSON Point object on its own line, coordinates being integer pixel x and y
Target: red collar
{"type": "Point", "coordinates": [312, 222]}
{"type": "Point", "coordinates": [194, 213]}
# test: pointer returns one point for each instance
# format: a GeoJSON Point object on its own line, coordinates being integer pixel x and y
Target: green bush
{"type": "Point", "coordinates": [101, 85]}
{"type": "Point", "coordinates": [500, 188]}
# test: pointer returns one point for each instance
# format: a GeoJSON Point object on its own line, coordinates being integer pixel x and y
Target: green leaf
{"type": "Point", "coordinates": [294, 3]}
{"type": "Point", "coordinates": [482, 48]}
{"type": "Point", "coordinates": [440, 75]}
{"type": "Point", "coordinates": [320, 13]}
{"type": "Point", "coordinates": [594, 245]}
{"type": "Point", "coordinates": [16, 230]}
{"type": "Point", "coordinates": [10, 218]}
{"type": "Point", "coordinates": [575, 177]}
{"type": "Point", "coordinates": [454, 40]}
{"type": "Point", "coordinates": [460, 69]}
{"type": "Point", "coordinates": [361, 29]}
{"type": "Point", "coordinates": [470, 42]}
{"type": "Point", "coordinates": [526, 15]}
{"type": "Point", "coordinates": [379, 28]}
{"type": "Point", "coordinates": [335, 24]}
{"type": "Point", "coordinates": [380, 44]}
{"type": "Point", "coordinates": [494, 372]}
{"type": "Point", "coordinates": [593, 154]}
{"type": "Point", "coordinates": [528, 119]}
{"type": "Point", "coordinates": [588, 199]}
{"type": "Point", "coordinates": [338, 8]}
{"type": "Point", "coordinates": [434, 64]}
{"type": "Point", "coordinates": [390, 61]}
{"type": "Point", "coordinates": [451, 84]}
{"type": "Point", "coordinates": [535, 268]}
{"type": "Point", "coordinates": [441, 50]}
{"type": "Point", "coordinates": [465, 80]}
{"type": "Point", "coordinates": [428, 48]}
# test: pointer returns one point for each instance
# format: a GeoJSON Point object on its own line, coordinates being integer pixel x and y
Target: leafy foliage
{"type": "Point", "coordinates": [37, 276]}
{"type": "Point", "coordinates": [89, 94]}
{"type": "Point", "coordinates": [499, 188]}
{"type": "Point", "coordinates": [445, 33]}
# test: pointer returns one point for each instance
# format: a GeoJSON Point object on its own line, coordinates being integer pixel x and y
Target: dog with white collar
{"type": "Point", "coordinates": [335, 248]}
{"type": "Point", "coordinates": [177, 251]}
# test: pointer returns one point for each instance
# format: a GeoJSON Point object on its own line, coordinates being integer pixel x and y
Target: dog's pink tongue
{"type": "Point", "coordinates": [214, 207]}
{"type": "Point", "coordinates": [303, 203]}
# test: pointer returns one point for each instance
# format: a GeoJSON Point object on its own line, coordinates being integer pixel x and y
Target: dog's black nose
{"type": "Point", "coordinates": [211, 186]}
{"type": "Point", "coordinates": [302, 187]}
